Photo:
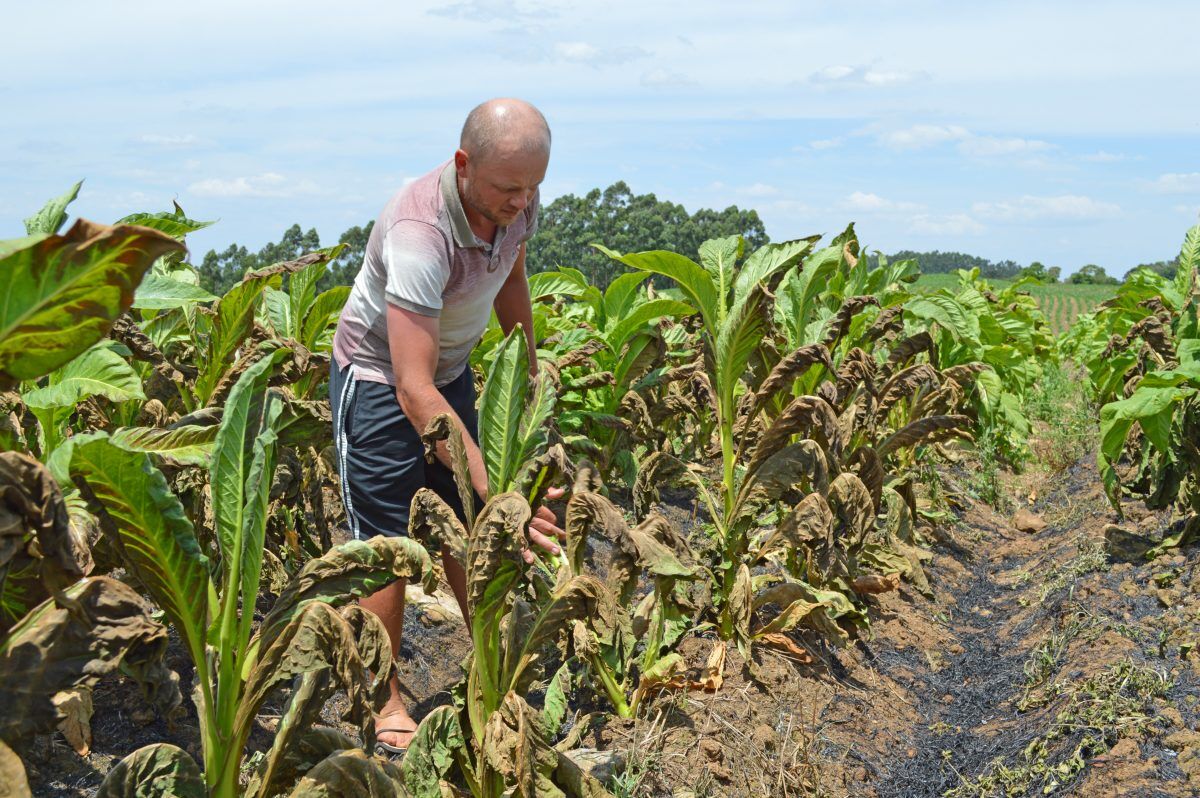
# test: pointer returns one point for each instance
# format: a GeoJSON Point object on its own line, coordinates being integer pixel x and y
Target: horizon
{"type": "Point", "coordinates": [1028, 132]}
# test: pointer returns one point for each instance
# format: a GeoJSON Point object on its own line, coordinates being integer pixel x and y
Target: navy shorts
{"type": "Point", "coordinates": [380, 455]}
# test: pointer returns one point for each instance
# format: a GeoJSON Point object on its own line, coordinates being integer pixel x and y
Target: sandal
{"type": "Point", "coordinates": [386, 749]}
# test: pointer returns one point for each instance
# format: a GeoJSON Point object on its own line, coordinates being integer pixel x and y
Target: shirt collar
{"type": "Point", "coordinates": [464, 236]}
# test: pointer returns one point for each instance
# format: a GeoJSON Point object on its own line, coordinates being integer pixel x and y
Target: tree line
{"type": "Point", "coordinates": [623, 221]}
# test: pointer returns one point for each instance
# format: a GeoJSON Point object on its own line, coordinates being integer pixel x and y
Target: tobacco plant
{"type": "Point", "coordinates": [210, 605]}
{"type": "Point", "coordinates": [62, 294]}
{"type": "Point", "coordinates": [1157, 423]}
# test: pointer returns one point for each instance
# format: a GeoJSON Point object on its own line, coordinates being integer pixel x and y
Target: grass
{"type": "Point", "coordinates": [1061, 302]}
{"type": "Point", "coordinates": [1071, 421]}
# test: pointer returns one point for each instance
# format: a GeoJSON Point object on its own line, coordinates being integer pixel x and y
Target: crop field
{"type": "Point", "coordinates": [832, 528]}
{"type": "Point", "coordinates": [1060, 303]}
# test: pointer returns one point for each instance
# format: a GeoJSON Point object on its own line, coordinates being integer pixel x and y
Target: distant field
{"type": "Point", "coordinates": [1061, 302]}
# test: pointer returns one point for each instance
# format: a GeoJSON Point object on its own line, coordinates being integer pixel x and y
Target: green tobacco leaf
{"type": "Point", "coordinates": [160, 770]}
{"type": "Point", "coordinates": [739, 336]}
{"type": "Point", "coordinates": [431, 752]}
{"type": "Point", "coordinates": [92, 628]}
{"type": "Point", "coordinates": [53, 214]}
{"type": "Point", "coordinates": [302, 292]}
{"type": "Point", "coordinates": [501, 407]}
{"type": "Point", "coordinates": [564, 282]}
{"type": "Point", "coordinates": [948, 312]}
{"type": "Point", "coordinates": [353, 774]}
{"type": "Point", "coordinates": [768, 261]}
{"type": "Point", "coordinates": [321, 315]}
{"type": "Point", "coordinates": [162, 291]}
{"type": "Point", "coordinates": [141, 514]}
{"type": "Point", "coordinates": [719, 256]}
{"type": "Point", "coordinates": [231, 327]}
{"type": "Point", "coordinates": [1188, 262]}
{"type": "Point", "coordinates": [620, 295]}
{"type": "Point", "coordinates": [186, 445]}
{"type": "Point", "coordinates": [62, 293]}
{"type": "Point", "coordinates": [1153, 409]}
{"type": "Point", "coordinates": [691, 277]}
{"type": "Point", "coordinates": [240, 478]}
{"type": "Point", "coordinates": [174, 223]}
{"type": "Point", "coordinates": [627, 326]}
{"type": "Point", "coordinates": [352, 570]}
{"type": "Point", "coordinates": [97, 372]}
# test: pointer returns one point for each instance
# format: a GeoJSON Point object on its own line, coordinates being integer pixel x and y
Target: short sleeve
{"type": "Point", "coordinates": [418, 266]}
{"type": "Point", "coordinates": [531, 216]}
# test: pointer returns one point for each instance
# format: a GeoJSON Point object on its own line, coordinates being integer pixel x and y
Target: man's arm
{"type": "Point", "coordinates": [413, 343]}
{"type": "Point", "coordinates": [513, 306]}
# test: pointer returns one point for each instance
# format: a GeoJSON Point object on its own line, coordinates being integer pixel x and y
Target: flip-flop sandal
{"type": "Point", "coordinates": [391, 750]}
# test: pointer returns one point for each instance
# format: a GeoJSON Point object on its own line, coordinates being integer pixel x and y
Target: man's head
{"type": "Point", "coordinates": [502, 158]}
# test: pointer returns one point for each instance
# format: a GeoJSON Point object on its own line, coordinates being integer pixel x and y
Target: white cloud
{"type": "Point", "coordinates": [1177, 183]}
{"type": "Point", "coordinates": [170, 142]}
{"type": "Point", "coordinates": [267, 184]}
{"type": "Point", "coordinates": [826, 144]}
{"type": "Point", "coordinates": [873, 203]}
{"type": "Point", "coordinates": [490, 11]}
{"type": "Point", "coordinates": [586, 53]}
{"type": "Point", "coordinates": [919, 137]}
{"type": "Point", "coordinates": [1103, 157]}
{"type": "Point", "coordinates": [1065, 207]}
{"type": "Point", "coordinates": [985, 146]}
{"type": "Point", "coordinates": [862, 76]}
{"type": "Point", "coordinates": [758, 190]}
{"type": "Point", "coordinates": [1189, 210]}
{"type": "Point", "coordinates": [660, 78]}
{"type": "Point", "coordinates": [955, 224]}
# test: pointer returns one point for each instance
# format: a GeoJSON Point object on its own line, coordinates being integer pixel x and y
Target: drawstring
{"type": "Point", "coordinates": [340, 443]}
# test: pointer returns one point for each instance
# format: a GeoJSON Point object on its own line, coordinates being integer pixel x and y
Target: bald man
{"type": "Point", "coordinates": [447, 250]}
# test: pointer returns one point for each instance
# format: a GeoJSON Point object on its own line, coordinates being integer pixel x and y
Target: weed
{"type": "Point", "coordinates": [1070, 416]}
{"type": "Point", "coordinates": [1094, 715]}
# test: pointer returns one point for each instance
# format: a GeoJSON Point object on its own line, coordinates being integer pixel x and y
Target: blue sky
{"type": "Point", "coordinates": [1059, 131]}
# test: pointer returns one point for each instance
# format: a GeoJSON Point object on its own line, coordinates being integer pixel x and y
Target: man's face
{"type": "Point", "coordinates": [500, 186]}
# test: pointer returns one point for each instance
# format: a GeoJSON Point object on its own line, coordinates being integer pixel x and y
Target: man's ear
{"type": "Point", "coordinates": [460, 162]}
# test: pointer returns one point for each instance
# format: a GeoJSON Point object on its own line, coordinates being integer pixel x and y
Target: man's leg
{"type": "Point", "coordinates": [381, 460]}
{"type": "Point", "coordinates": [388, 606]}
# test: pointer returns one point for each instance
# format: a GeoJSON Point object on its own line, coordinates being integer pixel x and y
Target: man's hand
{"type": "Point", "coordinates": [543, 528]}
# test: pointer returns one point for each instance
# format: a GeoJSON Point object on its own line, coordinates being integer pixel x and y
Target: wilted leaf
{"type": "Point", "coordinates": [926, 430]}
{"type": "Point", "coordinates": [784, 643]}
{"type": "Point", "coordinates": [63, 293]}
{"type": "Point", "coordinates": [74, 706]}
{"type": "Point", "coordinates": [32, 504]}
{"type": "Point", "coordinates": [317, 638]}
{"type": "Point", "coordinates": [787, 371]}
{"type": "Point", "coordinates": [498, 535]}
{"type": "Point", "coordinates": [807, 415]}
{"type": "Point", "coordinates": [91, 629]}
{"type": "Point", "coordinates": [741, 607]}
{"type": "Point", "coordinates": [155, 771]}
{"type": "Point", "coordinates": [875, 583]}
{"type": "Point", "coordinates": [352, 773]}
{"type": "Point", "coordinates": [434, 524]}
{"type": "Point", "coordinates": [352, 570]}
{"type": "Point", "coordinates": [13, 781]}
{"type": "Point", "coordinates": [431, 752]}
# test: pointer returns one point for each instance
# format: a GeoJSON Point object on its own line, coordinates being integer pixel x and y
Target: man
{"type": "Point", "coordinates": [447, 250]}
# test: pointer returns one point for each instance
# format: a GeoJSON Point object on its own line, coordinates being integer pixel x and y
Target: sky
{"type": "Point", "coordinates": [1065, 132]}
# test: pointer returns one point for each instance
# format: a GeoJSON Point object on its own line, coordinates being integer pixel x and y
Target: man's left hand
{"type": "Point", "coordinates": [544, 529]}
